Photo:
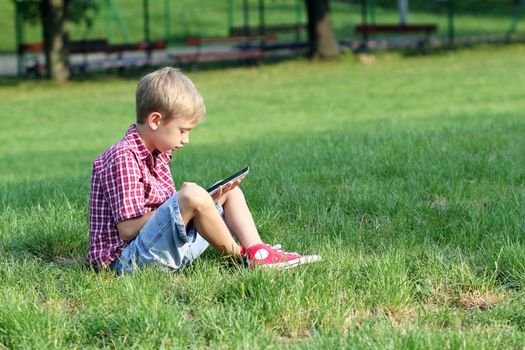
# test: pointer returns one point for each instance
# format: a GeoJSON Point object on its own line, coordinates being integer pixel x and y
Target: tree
{"type": "Point", "coordinates": [55, 34]}
{"type": "Point", "coordinates": [54, 16]}
{"type": "Point", "coordinates": [321, 37]}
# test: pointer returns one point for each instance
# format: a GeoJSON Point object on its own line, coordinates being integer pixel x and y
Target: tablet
{"type": "Point", "coordinates": [228, 180]}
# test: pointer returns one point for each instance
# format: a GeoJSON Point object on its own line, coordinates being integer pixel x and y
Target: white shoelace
{"type": "Point", "coordinates": [278, 249]}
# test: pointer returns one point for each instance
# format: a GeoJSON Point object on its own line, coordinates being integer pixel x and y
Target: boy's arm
{"type": "Point", "coordinates": [129, 229]}
{"type": "Point", "coordinates": [123, 188]}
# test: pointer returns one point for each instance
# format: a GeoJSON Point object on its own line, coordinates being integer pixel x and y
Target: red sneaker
{"type": "Point", "coordinates": [267, 256]}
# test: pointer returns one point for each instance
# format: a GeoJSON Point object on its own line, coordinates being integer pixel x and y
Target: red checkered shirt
{"type": "Point", "coordinates": [127, 181]}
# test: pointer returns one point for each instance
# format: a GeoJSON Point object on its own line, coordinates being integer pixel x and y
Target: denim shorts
{"type": "Point", "coordinates": [163, 240]}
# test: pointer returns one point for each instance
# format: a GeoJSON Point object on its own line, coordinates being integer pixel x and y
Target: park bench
{"type": "Point", "coordinates": [81, 46]}
{"type": "Point", "coordinates": [95, 46]}
{"type": "Point", "coordinates": [274, 30]}
{"type": "Point", "coordinates": [426, 29]}
{"type": "Point", "coordinates": [141, 46]}
{"type": "Point", "coordinates": [120, 62]}
{"type": "Point", "coordinates": [246, 47]}
{"type": "Point", "coordinates": [268, 29]}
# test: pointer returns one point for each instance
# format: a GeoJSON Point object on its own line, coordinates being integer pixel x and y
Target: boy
{"type": "Point", "coordinates": [136, 217]}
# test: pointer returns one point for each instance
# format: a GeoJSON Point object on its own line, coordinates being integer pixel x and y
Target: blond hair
{"type": "Point", "coordinates": [169, 92]}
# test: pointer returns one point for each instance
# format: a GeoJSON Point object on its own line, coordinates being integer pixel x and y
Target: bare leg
{"type": "Point", "coordinates": [239, 218]}
{"type": "Point", "coordinates": [197, 205]}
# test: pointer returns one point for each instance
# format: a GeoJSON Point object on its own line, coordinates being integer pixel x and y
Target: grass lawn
{"type": "Point", "coordinates": [210, 18]}
{"type": "Point", "coordinates": [406, 174]}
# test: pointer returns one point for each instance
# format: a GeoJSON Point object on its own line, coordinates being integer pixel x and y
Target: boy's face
{"type": "Point", "coordinates": [173, 134]}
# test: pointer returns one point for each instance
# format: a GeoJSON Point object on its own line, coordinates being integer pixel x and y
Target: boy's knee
{"type": "Point", "coordinates": [195, 197]}
{"type": "Point", "coordinates": [236, 192]}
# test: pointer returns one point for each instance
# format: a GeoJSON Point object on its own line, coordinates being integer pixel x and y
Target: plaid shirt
{"type": "Point", "coordinates": [127, 182]}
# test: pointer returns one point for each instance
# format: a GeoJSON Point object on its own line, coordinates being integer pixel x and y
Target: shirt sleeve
{"type": "Point", "coordinates": [123, 188]}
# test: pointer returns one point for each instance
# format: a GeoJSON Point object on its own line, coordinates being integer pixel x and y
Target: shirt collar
{"type": "Point", "coordinates": [133, 138]}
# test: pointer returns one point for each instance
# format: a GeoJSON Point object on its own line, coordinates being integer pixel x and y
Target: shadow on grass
{"type": "Point", "coordinates": [13, 81]}
{"type": "Point", "coordinates": [422, 51]}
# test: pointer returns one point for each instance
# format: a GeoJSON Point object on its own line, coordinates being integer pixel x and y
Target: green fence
{"type": "Point", "coordinates": [470, 18]}
{"type": "Point", "coordinates": [176, 20]}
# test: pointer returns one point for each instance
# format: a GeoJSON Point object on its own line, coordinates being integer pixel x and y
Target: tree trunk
{"type": "Point", "coordinates": [321, 35]}
{"type": "Point", "coordinates": [402, 8]}
{"type": "Point", "coordinates": [55, 32]}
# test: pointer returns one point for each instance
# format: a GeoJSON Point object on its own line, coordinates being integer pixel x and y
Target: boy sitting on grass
{"type": "Point", "coordinates": [137, 218]}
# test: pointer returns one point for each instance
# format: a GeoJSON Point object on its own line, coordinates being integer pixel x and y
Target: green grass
{"type": "Point", "coordinates": [405, 174]}
{"type": "Point", "coordinates": [209, 18]}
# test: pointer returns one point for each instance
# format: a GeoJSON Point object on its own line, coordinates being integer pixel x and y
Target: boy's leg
{"type": "Point", "coordinates": [166, 239]}
{"type": "Point", "coordinates": [170, 236]}
{"type": "Point", "coordinates": [239, 219]}
{"type": "Point", "coordinates": [196, 205]}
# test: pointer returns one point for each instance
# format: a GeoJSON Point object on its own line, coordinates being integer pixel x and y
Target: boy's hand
{"type": "Point", "coordinates": [222, 190]}
{"type": "Point", "coordinates": [225, 189]}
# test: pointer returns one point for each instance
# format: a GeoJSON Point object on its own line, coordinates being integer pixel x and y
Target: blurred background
{"type": "Point", "coordinates": [115, 34]}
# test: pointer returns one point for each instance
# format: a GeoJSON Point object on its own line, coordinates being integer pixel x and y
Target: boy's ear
{"type": "Point", "coordinates": [154, 120]}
